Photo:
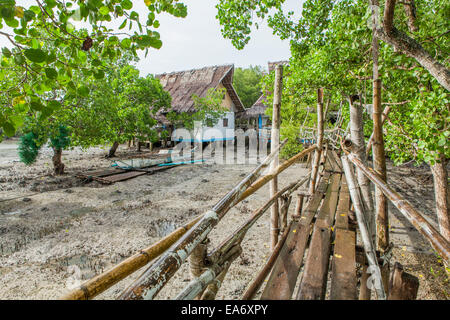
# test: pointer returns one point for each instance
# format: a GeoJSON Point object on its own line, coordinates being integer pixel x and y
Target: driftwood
{"type": "Point", "coordinates": [364, 230]}
{"type": "Point", "coordinates": [437, 241]}
{"type": "Point", "coordinates": [102, 282]}
{"type": "Point", "coordinates": [156, 276]}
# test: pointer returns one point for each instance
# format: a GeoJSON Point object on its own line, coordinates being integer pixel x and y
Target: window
{"type": "Point", "coordinates": [225, 122]}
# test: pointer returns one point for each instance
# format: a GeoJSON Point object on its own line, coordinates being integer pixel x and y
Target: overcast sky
{"type": "Point", "coordinates": [196, 41]}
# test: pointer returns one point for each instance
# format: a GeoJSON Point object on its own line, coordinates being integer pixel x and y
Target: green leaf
{"type": "Point", "coordinates": [125, 43]}
{"type": "Point", "coordinates": [100, 74]}
{"type": "Point", "coordinates": [83, 91]}
{"type": "Point", "coordinates": [127, 4]}
{"type": "Point", "coordinates": [51, 73]}
{"type": "Point", "coordinates": [104, 10]}
{"type": "Point", "coordinates": [54, 105]}
{"type": "Point", "coordinates": [9, 129]}
{"type": "Point", "coordinates": [124, 23]}
{"type": "Point", "coordinates": [35, 55]}
{"type": "Point", "coordinates": [6, 52]}
{"type": "Point", "coordinates": [36, 105]}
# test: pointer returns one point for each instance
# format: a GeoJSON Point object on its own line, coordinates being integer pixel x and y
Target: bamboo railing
{"type": "Point", "coordinates": [437, 241]}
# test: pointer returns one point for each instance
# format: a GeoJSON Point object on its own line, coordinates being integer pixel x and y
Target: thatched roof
{"type": "Point", "coordinates": [258, 108]}
{"type": "Point", "coordinates": [183, 85]}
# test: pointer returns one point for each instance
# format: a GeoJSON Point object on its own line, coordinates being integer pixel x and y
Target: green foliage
{"type": "Point", "coordinates": [61, 139]}
{"type": "Point", "coordinates": [247, 84]}
{"type": "Point", "coordinates": [208, 110]}
{"type": "Point", "coordinates": [46, 49]}
{"type": "Point", "coordinates": [331, 48]}
{"type": "Point", "coordinates": [120, 107]}
{"type": "Point", "coordinates": [28, 148]}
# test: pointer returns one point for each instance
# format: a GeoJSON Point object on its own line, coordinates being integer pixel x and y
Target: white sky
{"type": "Point", "coordinates": [196, 41]}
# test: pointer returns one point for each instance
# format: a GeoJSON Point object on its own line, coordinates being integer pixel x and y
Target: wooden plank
{"type": "Point", "coordinates": [343, 276]}
{"type": "Point", "coordinates": [123, 176]}
{"type": "Point", "coordinates": [334, 164]}
{"type": "Point", "coordinates": [314, 280]}
{"type": "Point", "coordinates": [313, 284]}
{"type": "Point", "coordinates": [328, 209]}
{"type": "Point", "coordinates": [337, 159]}
{"type": "Point", "coordinates": [103, 172]}
{"type": "Point", "coordinates": [282, 280]}
{"type": "Point", "coordinates": [343, 206]}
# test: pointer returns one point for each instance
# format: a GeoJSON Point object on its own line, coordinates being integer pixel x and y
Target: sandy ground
{"type": "Point", "coordinates": [56, 230]}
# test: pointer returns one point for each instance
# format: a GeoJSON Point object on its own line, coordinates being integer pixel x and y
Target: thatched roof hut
{"type": "Point", "coordinates": [182, 85]}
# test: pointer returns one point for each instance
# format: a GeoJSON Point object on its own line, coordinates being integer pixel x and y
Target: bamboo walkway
{"type": "Point", "coordinates": [321, 234]}
{"type": "Point", "coordinates": [315, 258]}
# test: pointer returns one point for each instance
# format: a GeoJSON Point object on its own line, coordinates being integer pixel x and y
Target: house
{"type": "Point", "coordinates": [183, 85]}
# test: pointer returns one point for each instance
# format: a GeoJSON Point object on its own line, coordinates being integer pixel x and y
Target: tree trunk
{"type": "Point", "coordinates": [58, 166]}
{"type": "Point", "coordinates": [379, 164]}
{"type": "Point", "coordinates": [358, 148]}
{"type": "Point", "coordinates": [440, 177]}
{"type": "Point", "coordinates": [112, 151]}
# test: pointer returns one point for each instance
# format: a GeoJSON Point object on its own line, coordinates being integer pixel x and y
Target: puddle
{"type": "Point", "coordinates": [161, 228]}
{"type": "Point", "coordinates": [12, 213]}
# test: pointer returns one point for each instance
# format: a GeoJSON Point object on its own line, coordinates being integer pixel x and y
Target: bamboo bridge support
{"type": "Point", "coordinates": [318, 153]}
{"type": "Point", "coordinates": [275, 141]}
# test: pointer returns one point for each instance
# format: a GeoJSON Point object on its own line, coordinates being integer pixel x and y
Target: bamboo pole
{"type": "Point", "coordinates": [242, 230]}
{"type": "Point", "coordinates": [379, 164]}
{"type": "Point", "coordinates": [320, 128]}
{"type": "Point", "coordinates": [199, 284]}
{"type": "Point", "coordinates": [262, 274]}
{"type": "Point", "coordinates": [437, 241]}
{"type": "Point", "coordinates": [275, 140]}
{"type": "Point", "coordinates": [107, 279]}
{"type": "Point", "coordinates": [357, 138]}
{"type": "Point", "coordinates": [363, 228]}
{"type": "Point", "coordinates": [212, 289]}
{"type": "Point", "coordinates": [196, 260]}
{"type": "Point", "coordinates": [156, 276]}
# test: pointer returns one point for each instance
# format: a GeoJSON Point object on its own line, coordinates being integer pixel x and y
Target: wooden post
{"type": "Point", "coordinates": [275, 141]}
{"type": "Point", "coordinates": [379, 164]}
{"type": "Point", "coordinates": [285, 202]}
{"type": "Point", "coordinates": [320, 128]}
{"type": "Point", "coordinates": [402, 285]}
